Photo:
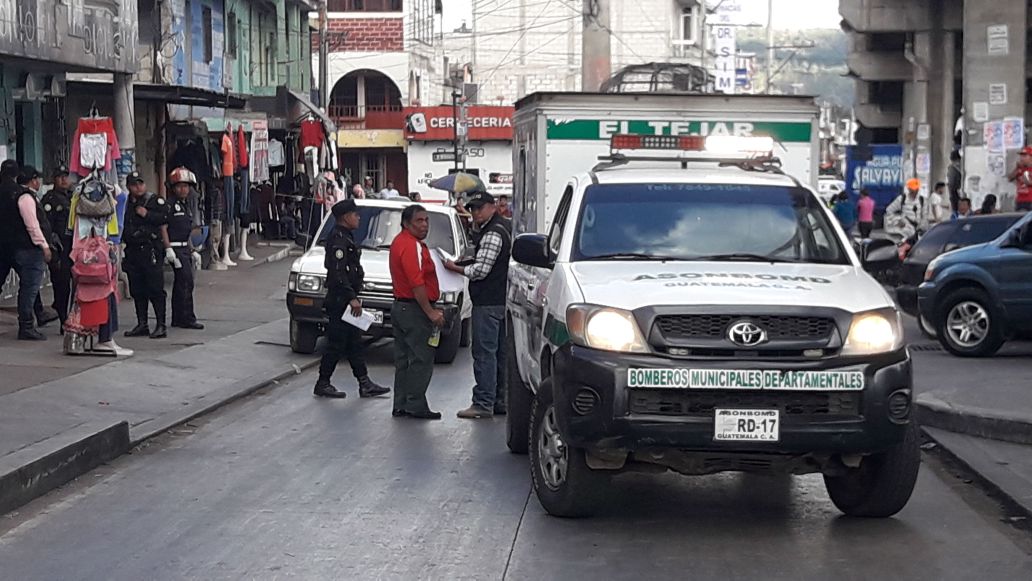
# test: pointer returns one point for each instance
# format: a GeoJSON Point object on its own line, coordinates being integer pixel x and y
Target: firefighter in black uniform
{"type": "Point", "coordinates": [147, 248]}
{"type": "Point", "coordinates": [180, 226]}
{"type": "Point", "coordinates": [56, 205]}
{"type": "Point", "coordinates": [344, 277]}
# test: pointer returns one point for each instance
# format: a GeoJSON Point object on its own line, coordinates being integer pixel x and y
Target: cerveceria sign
{"type": "Point", "coordinates": [603, 129]}
{"type": "Point", "coordinates": [485, 123]}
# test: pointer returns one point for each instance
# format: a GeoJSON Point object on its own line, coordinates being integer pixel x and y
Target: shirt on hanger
{"type": "Point", "coordinates": [241, 146]}
{"type": "Point", "coordinates": [228, 165]}
{"type": "Point", "coordinates": [276, 153]}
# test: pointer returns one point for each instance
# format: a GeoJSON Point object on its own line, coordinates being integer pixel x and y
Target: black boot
{"type": "Point", "coordinates": [369, 388]}
{"type": "Point", "coordinates": [160, 332]}
{"type": "Point", "coordinates": [323, 388]}
{"type": "Point", "coordinates": [29, 333]}
{"type": "Point", "coordinates": [140, 330]}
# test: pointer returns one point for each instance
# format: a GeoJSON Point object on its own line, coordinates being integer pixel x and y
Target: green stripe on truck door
{"type": "Point", "coordinates": [602, 130]}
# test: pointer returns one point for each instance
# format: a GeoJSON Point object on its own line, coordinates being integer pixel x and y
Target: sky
{"type": "Point", "coordinates": [789, 14]}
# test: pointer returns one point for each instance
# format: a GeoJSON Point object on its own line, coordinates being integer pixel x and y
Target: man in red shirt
{"type": "Point", "coordinates": [1021, 175]}
{"type": "Point", "coordinates": [413, 315]}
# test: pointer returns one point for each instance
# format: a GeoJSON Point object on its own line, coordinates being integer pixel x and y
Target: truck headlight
{"type": "Point", "coordinates": [874, 332]}
{"type": "Point", "coordinates": [292, 282]}
{"type": "Point", "coordinates": [309, 283]}
{"type": "Point", "coordinates": [450, 297]}
{"type": "Point", "coordinates": [604, 328]}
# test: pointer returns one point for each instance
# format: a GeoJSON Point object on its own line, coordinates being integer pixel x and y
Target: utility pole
{"type": "Point", "coordinates": [324, 56]}
{"type": "Point", "coordinates": [770, 42]}
{"type": "Point", "coordinates": [455, 127]}
{"type": "Point", "coordinates": [596, 55]}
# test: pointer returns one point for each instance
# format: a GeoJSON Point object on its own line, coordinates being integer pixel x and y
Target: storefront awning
{"type": "Point", "coordinates": [166, 93]}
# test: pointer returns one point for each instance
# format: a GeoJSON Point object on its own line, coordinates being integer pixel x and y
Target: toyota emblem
{"type": "Point", "coordinates": [746, 334]}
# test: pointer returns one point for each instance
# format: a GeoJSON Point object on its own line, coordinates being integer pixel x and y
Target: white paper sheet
{"type": "Point", "coordinates": [363, 321]}
{"type": "Point", "coordinates": [448, 281]}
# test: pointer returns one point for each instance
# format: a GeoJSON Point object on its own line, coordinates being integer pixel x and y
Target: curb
{"type": "Point", "coordinates": [980, 422]}
{"type": "Point", "coordinates": [40, 468]}
{"type": "Point", "coordinates": [30, 473]}
{"type": "Point", "coordinates": [280, 254]}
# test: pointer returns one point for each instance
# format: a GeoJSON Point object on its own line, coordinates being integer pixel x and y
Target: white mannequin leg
{"type": "Point", "coordinates": [244, 256]}
{"type": "Point", "coordinates": [226, 237]}
{"type": "Point", "coordinates": [217, 234]}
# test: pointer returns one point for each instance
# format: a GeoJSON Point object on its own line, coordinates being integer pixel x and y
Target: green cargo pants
{"type": "Point", "coordinates": [413, 357]}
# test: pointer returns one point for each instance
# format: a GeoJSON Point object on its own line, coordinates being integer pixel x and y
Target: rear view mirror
{"type": "Point", "coordinates": [879, 254]}
{"type": "Point", "coordinates": [533, 250]}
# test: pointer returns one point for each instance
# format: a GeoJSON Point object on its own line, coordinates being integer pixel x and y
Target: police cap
{"type": "Point", "coordinates": [133, 178]}
{"type": "Point", "coordinates": [477, 199]}
{"type": "Point", "coordinates": [343, 207]}
{"type": "Point", "coordinates": [60, 171]}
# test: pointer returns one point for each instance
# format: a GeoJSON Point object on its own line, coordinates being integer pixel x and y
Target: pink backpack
{"type": "Point", "coordinates": [92, 262]}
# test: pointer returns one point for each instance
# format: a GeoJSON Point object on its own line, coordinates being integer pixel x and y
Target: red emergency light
{"type": "Point", "coordinates": [667, 142]}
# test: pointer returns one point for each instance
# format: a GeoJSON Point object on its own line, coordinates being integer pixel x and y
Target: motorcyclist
{"type": "Point", "coordinates": [906, 217]}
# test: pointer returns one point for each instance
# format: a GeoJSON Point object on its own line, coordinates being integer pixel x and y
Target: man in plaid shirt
{"type": "Point", "coordinates": [488, 276]}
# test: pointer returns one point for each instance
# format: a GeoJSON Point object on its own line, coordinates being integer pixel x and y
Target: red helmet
{"type": "Point", "coordinates": [181, 175]}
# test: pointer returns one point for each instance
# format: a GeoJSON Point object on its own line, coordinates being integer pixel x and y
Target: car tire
{"type": "Point", "coordinates": [518, 400]}
{"type": "Point", "coordinates": [564, 484]}
{"type": "Point", "coordinates": [467, 333]}
{"type": "Point", "coordinates": [927, 328]}
{"type": "Point", "coordinates": [303, 337]}
{"type": "Point", "coordinates": [881, 486]}
{"type": "Point", "coordinates": [974, 306]}
{"type": "Point", "coordinates": [449, 347]}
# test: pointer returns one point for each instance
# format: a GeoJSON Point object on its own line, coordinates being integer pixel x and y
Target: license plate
{"type": "Point", "coordinates": [683, 378]}
{"type": "Point", "coordinates": [731, 425]}
{"type": "Point", "coordinates": [377, 316]}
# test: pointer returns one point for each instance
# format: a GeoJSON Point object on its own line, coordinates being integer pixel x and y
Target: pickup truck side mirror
{"type": "Point", "coordinates": [533, 250]}
{"type": "Point", "coordinates": [879, 254]}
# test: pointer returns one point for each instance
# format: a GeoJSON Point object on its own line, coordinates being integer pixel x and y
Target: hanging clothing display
{"type": "Point", "coordinates": [276, 153]}
{"type": "Point", "coordinates": [228, 183]}
{"type": "Point", "coordinates": [228, 155]}
{"type": "Point", "coordinates": [260, 153]}
{"type": "Point", "coordinates": [94, 145]}
{"type": "Point", "coordinates": [241, 145]}
{"type": "Point", "coordinates": [312, 134]}
{"type": "Point", "coordinates": [193, 156]}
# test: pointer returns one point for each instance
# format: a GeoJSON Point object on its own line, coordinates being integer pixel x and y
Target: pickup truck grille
{"type": "Point", "coordinates": [778, 327]}
{"type": "Point", "coordinates": [669, 402]}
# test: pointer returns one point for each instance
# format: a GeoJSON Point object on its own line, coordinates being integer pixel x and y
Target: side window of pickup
{"type": "Point", "coordinates": [555, 235]}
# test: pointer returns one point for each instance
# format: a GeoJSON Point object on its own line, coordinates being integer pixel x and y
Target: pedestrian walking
{"type": "Point", "coordinates": [488, 276]}
{"type": "Point", "coordinates": [180, 226]}
{"type": "Point", "coordinates": [1022, 176]}
{"type": "Point", "coordinates": [344, 278]}
{"type": "Point", "coordinates": [147, 249]}
{"type": "Point", "coordinates": [416, 321]}
{"type": "Point", "coordinates": [954, 176]}
{"type": "Point", "coordinates": [865, 213]}
{"type": "Point", "coordinates": [57, 204]}
{"type": "Point", "coordinates": [845, 212]}
{"type": "Point", "coordinates": [25, 248]}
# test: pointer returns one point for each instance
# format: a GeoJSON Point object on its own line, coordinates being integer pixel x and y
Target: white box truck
{"type": "Point", "coordinates": [558, 135]}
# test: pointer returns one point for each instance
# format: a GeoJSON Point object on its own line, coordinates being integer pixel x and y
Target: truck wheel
{"type": "Point", "coordinates": [564, 484]}
{"type": "Point", "coordinates": [467, 333]}
{"type": "Point", "coordinates": [449, 347]}
{"type": "Point", "coordinates": [927, 327]}
{"type": "Point", "coordinates": [303, 337]}
{"type": "Point", "coordinates": [968, 324]}
{"type": "Point", "coordinates": [518, 399]}
{"type": "Point", "coordinates": [881, 486]}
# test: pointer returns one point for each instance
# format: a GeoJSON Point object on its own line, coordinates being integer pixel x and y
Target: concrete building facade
{"type": "Point", "coordinates": [943, 75]}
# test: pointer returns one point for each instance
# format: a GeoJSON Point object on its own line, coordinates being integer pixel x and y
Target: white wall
{"type": "Point", "coordinates": [487, 156]}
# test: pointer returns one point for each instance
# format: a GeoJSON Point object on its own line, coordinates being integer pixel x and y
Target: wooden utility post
{"type": "Point", "coordinates": [596, 55]}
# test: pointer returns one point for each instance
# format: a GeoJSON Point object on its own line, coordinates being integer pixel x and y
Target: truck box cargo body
{"type": "Point", "coordinates": [562, 134]}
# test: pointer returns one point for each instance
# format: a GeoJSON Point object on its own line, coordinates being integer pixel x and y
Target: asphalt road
{"type": "Point", "coordinates": [285, 486]}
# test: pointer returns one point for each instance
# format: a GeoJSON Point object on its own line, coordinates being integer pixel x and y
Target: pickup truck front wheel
{"type": "Point", "coordinates": [518, 400]}
{"type": "Point", "coordinates": [303, 337]}
{"type": "Point", "coordinates": [449, 347]}
{"type": "Point", "coordinates": [882, 484]}
{"type": "Point", "coordinates": [564, 484]}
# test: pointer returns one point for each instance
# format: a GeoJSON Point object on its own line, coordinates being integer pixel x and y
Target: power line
{"type": "Point", "coordinates": [513, 47]}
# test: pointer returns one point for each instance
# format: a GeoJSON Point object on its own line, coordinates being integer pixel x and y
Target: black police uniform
{"type": "Point", "coordinates": [145, 258]}
{"type": "Point", "coordinates": [344, 278]}
{"type": "Point", "coordinates": [180, 224]}
{"type": "Point", "coordinates": [56, 208]}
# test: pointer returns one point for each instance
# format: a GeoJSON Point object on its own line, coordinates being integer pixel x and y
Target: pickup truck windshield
{"type": "Point", "coordinates": [714, 222]}
{"type": "Point", "coordinates": [379, 226]}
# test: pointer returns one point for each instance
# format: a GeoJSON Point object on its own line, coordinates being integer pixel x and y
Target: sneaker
{"type": "Point", "coordinates": [114, 348]}
{"type": "Point", "coordinates": [475, 412]}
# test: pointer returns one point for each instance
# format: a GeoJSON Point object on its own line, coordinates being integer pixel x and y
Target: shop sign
{"type": "Point", "coordinates": [482, 123]}
{"type": "Point", "coordinates": [373, 138]}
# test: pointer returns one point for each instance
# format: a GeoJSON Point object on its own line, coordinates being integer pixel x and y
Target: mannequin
{"type": "Point", "coordinates": [229, 165]}
{"type": "Point", "coordinates": [216, 242]}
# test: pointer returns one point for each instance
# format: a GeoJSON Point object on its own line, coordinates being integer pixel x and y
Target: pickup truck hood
{"type": "Point", "coordinates": [375, 263]}
{"type": "Point", "coordinates": [631, 285]}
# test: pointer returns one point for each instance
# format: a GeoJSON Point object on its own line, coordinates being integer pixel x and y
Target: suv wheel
{"type": "Point", "coordinates": [449, 347]}
{"type": "Point", "coordinates": [564, 484]}
{"type": "Point", "coordinates": [882, 484]}
{"type": "Point", "coordinates": [927, 327]}
{"type": "Point", "coordinates": [518, 399]}
{"type": "Point", "coordinates": [968, 324]}
{"type": "Point", "coordinates": [303, 337]}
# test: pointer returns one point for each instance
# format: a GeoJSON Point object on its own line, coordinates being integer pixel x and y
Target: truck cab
{"type": "Point", "coordinates": [703, 313]}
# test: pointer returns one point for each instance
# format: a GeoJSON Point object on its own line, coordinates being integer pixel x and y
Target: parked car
{"type": "Point", "coordinates": [944, 237]}
{"type": "Point", "coordinates": [978, 297]}
{"type": "Point", "coordinates": [381, 222]}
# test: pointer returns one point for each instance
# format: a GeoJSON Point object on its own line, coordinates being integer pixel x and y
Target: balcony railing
{"type": "Point", "coordinates": [350, 116]}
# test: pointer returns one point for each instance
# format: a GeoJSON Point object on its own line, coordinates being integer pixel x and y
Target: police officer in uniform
{"type": "Point", "coordinates": [147, 248]}
{"type": "Point", "coordinates": [344, 277]}
{"type": "Point", "coordinates": [180, 226]}
{"type": "Point", "coordinates": [56, 207]}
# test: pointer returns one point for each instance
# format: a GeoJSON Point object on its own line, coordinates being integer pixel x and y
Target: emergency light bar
{"type": "Point", "coordinates": [716, 144]}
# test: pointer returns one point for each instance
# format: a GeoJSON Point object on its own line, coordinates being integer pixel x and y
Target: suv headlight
{"type": "Point", "coordinates": [604, 328]}
{"type": "Point", "coordinates": [874, 332]}
{"type": "Point", "coordinates": [309, 283]}
{"type": "Point", "coordinates": [450, 297]}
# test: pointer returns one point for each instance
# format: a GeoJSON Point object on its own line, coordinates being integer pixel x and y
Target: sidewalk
{"type": "Point", "coordinates": [61, 416]}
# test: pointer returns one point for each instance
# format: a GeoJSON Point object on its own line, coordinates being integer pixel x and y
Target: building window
{"type": "Point", "coordinates": [689, 33]}
{"type": "Point", "coordinates": [206, 29]}
{"type": "Point", "coordinates": [364, 5]}
{"type": "Point", "coordinates": [231, 35]}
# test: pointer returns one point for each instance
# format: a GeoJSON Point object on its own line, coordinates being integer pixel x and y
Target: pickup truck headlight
{"type": "Point", "coordinates": [450, 297]}
{"type": "Point", "coordinates": [309, 283]}
{"type": "Point", "coordinates": [874, 332]}
{"type": "Point", "coordinates": [604, 328]}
